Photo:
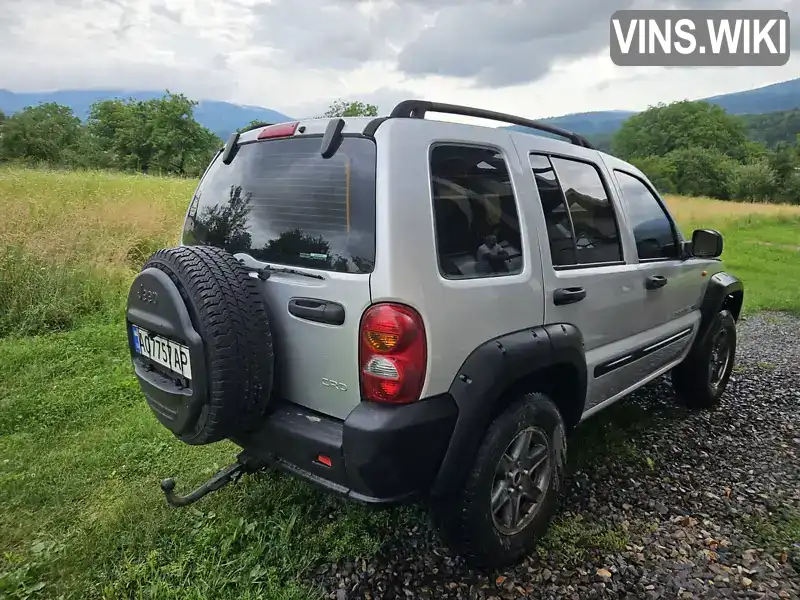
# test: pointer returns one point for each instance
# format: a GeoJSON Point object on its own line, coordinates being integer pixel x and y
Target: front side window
{"type": "Point", "coordinates": [475, 213]}
{"type": "Point", "coordinates": [652, 228]}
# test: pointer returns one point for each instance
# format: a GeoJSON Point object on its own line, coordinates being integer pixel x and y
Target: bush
{"type": "Point", "coordinates": [702, 172]}
{"type": "Point", "coordinates": [659, 170]}
{"type": "Point", "coordinates": [790, 189]}
{"type": "Point", "coordinates": [755, 181]}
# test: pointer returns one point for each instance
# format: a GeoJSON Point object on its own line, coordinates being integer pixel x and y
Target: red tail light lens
{"type": "Point", "coordinates": [393, 354]}
{"type": "Point", "coordinates": [277, 131]}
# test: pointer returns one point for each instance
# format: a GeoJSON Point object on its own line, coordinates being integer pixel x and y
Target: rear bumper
{"type": "Point", "coordinates": [379, 454]}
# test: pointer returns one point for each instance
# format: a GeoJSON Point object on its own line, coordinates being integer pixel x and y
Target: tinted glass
{"type": "Point", "coordinates": [281, 202]}
{"type": "Point", "coordinates": [477, 228]}
{"type": "Point", "coordinates": [559, 227]}
{"type": "Point", "coordinates": [596, 235]}
{"type": "Point", "coordinates": [652, 228]}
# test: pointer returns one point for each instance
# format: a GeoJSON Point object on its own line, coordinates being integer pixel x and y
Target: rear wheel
{"type": "Point", "coordinates": [701, 379]}
{"type": "Point", "coordinates": [512, 490]}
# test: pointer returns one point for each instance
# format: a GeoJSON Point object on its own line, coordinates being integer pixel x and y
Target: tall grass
{"type": "Point", "coordinates": [70, 242]}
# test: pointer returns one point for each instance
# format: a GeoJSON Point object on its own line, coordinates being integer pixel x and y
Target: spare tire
{"type": "Point", "coordinates": [200, 343]}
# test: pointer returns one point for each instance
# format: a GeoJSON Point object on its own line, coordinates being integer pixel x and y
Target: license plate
{"type": "Point", "coordinates": [165, 352]}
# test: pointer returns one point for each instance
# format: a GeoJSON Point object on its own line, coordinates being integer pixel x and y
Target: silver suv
{"type": "Point", "coordinates": [399, 308]}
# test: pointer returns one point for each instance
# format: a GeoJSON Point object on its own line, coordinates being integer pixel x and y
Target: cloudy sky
{"type": "Point", "coordinates": [532, 57]}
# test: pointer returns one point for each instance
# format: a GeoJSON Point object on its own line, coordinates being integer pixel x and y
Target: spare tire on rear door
{"type": "Point", "coordinates": [200, 343]}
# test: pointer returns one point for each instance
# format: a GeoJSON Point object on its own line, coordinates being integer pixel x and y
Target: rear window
{"type": "Point", "coordinates": [281, 202]}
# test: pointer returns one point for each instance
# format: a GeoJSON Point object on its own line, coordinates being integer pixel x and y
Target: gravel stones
{"type": "Point", "coordinates": [677, 509]}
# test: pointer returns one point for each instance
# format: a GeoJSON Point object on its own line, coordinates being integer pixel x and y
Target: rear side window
{"type": "Point", "coordinates": [594, 226]}
{"type": "Point", "coordinates": [652, 228]}
{"type": "Point", "coordinates": [475, 213]}
{"type": "Point", "coordinates": [556, 216]}
{"type": "Point", "coordinates": [281, 202]}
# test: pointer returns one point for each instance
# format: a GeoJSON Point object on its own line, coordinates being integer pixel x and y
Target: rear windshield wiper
{"type": "Point", "coordinates": [264, 272]}
{"type": "Point", "coordinates": [267, 270]}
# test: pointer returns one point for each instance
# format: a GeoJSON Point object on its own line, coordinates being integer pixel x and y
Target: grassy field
{"type": "Point", "coordinates": [81, 456]}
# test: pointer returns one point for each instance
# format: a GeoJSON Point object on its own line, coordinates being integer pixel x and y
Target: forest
{"type": "Point", "coordinates": [690, 148]}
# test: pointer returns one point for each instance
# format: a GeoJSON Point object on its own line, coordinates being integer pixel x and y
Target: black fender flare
{"type": "Point", "coordinates": [487, 373]}
{"type": "Point", "coordinates": [722, 289]}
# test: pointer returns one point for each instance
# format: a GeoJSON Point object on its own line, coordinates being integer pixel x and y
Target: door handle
{"type": "Point", "coordinates": [654, 282]}
{"type": "Point", "coordinates": [569, 295]}
{"type": "Point", "coordinates": [319, 311]}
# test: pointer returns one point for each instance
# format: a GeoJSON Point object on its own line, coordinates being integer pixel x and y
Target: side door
{"type": "Point", "coordinates": [674, 285]}
{"type": "Point", "coordinates": [588, 281]}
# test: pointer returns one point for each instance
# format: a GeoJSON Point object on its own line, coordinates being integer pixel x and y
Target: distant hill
{"type": "Point", "coordinates": [220, 117]}
{"type": "Point", "coordinates": [225, 117]}
{"type": "Point", "coordinates": [773, 128]}
{"type": "Point", "coordinates": [599, 125]}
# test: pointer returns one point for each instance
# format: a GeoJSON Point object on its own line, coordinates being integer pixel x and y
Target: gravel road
{"type": "Point", "coordinates": [663, 502]}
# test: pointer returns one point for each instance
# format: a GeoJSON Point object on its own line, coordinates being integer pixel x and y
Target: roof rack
{"type": "Point", "coordinates": [416, 109]}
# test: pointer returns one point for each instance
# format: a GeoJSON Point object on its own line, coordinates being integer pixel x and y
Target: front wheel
{"type": "Point", "coordinates": [512, 490]}
{"type": "Point", "coordinates": [701, 379]}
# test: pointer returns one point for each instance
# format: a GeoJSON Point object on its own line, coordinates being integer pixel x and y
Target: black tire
{"type": "Point", "coordinates": [466, 519]}
{"type": "Point", "coordinates": [695, 384]}
{"type": "Point", "coordinates": [227, 312]}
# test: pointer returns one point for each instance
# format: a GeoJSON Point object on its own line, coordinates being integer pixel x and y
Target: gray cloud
{"type": "Point", "coordinates": [333, 34]}
{"type": "Point", "coordinates": [296, 49]}
{"type": "Point", "coordinates": [507, 45]}
{"type": "Point", "coordinates": [498, 44]}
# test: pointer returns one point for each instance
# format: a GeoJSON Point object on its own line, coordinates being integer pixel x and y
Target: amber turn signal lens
{"type": "Point", "coordinates": [381, 341]}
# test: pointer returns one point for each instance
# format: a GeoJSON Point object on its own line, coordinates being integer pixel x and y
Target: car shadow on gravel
{"type": "Point", "coordinates": [661, 502]}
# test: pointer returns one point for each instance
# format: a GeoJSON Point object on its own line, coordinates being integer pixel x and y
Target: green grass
{"type": "Point", "coordinates": [81, 455]}
{"type": "Point", "coordinates": [765, 254]}
{"type": "Point", "coordinates": [573, 538]}
{"type": "Point", "coordinates": [82, 511]}
{"type": "Point", "coordinates": [779, 534]}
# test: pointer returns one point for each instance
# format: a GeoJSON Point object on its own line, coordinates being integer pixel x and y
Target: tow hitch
{"type": "Point", "coordinates": [220, 479]}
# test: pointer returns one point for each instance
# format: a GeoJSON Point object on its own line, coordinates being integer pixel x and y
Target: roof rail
{"type": "Point", "coordinates": [416, 109]}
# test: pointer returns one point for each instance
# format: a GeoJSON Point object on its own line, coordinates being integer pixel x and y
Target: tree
{"type": "Point", "coordinates": [755, 181]}
{"type": "Point", "coordinates": [659, 170]}
{"type": "Point", "coordinates": [340, 108]}
{"type": "Point", "coordinates": [252, 125]}
{"type": "Point", "coordinates": [154, 135]}
{"type": "Point", "coordinates": [665, 128]}
{"type": "Point", "coordinates": [43, 133]}
{"type": "Point", "coordinates": [702, 172]}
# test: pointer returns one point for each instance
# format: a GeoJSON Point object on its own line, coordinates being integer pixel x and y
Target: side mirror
{"type": "Point", "coordinates": [706, 243]}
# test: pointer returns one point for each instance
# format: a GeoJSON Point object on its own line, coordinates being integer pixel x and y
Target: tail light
{"type": "Point", "coordinates": [392, 354]}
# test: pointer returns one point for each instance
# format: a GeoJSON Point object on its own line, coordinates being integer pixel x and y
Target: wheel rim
{"type": "Point", "coordinates": [720, 357]}
{"type": "Point", "coordinates": [521, 480]}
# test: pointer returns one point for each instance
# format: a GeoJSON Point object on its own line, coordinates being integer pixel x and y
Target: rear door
{"type": "Point", "coordinates": [279, 203]}
{"type": "Point", "coordinates": [588, 281]}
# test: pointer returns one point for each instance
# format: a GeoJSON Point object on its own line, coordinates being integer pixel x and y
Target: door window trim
{"type": "Point", "coordinates": [673, 226]}
{"type": "Point", "coordinates": [522, 228]}
{"type": "Point", "coordinates": [610, 197]}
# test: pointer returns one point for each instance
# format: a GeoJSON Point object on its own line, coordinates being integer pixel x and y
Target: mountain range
{"type": "Point", "coordinates": [225, 117]}
{"type": "Point", "coordinates": [220, 117]}
{"type": "Point", "coordinates": [771, 98]}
